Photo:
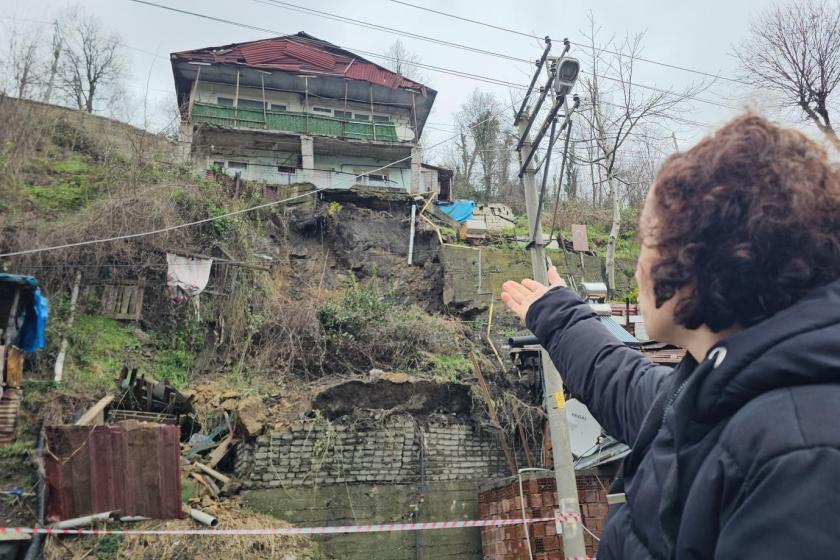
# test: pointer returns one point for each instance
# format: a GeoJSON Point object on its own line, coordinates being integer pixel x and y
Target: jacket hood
{"type": "Point", "coordinates": [799, 345]}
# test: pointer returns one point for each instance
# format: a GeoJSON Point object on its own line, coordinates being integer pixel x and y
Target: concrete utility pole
{"type": "Point", "coordinates": [555, 402]}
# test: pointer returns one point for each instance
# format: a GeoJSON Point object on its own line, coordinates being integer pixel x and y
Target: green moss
{"type": "Point", "coordinates": [20, 448]}
{"type": "Point", "coordinates": [75, 165]}
{"type": "Point", "coordinates": [450, 367]}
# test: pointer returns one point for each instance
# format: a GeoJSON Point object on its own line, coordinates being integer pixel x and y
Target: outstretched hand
{"type": "Point", "coordinates": [518, 296]}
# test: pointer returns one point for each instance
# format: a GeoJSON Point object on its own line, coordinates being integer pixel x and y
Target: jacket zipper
{"type": "Point", "coordinates": [674, 397]}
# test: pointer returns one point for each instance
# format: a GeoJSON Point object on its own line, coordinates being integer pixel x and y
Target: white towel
{"type": "Point", "coordinates": [186, 277]}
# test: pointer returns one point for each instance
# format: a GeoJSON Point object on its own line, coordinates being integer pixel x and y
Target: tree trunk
{"type": "Point", "coordinates": [614, 230]}
{"type": "Point", "coordinates": [831, 134]}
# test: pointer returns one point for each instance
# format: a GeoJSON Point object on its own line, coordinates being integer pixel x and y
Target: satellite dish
{"type": "Point", "coordinates": [584, 430]}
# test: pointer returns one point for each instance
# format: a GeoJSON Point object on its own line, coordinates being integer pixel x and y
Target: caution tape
{"type": "Point", "coordinates": [383, 527]}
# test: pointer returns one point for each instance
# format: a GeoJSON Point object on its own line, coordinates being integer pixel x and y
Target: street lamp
{"type": "Point", "coordinates": [566, 75]}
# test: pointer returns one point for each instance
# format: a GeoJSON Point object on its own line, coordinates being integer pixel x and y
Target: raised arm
{"type": "Point", "coordinates": [616, 383]}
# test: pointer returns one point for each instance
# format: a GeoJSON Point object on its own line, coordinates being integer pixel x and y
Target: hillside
{"type": "Point", "coordinates": [303, 298]}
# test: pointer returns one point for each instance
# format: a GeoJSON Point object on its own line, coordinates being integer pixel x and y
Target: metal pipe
{"type": "Point", "coordinates": [540, 101]}
{"type": "Point", "coordinates": [203, 518]}
{"type": "Point", "coordinates": [84, 520]}
{"type": "Point", "coordinates": [540, 63]}
{"type": "Point", "coordinates": [34, 549]}
{"type": "Point", "coordinates": [520, 341]}
{"type": "Point", "coordinates": [411, 235]}
{"type": "Point", "coordinates": [524, 517]}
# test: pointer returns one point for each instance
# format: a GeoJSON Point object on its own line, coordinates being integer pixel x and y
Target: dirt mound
{"type": "Point", "coordinates": [394, 392]}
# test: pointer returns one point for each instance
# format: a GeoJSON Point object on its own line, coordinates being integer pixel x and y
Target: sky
{"type": "Point", "coordinates": [696, 35]}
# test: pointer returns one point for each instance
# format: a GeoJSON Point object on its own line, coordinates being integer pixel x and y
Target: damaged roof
{"type": "Point", "coordinates": [305, 55]}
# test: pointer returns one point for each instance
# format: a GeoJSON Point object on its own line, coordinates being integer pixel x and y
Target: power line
{"type": "Point", "coordinates": [336, 17]}
{"type": "Point", "coordinates": [274, 32]}
{"type": "Point", "coordinates": [531, 35]}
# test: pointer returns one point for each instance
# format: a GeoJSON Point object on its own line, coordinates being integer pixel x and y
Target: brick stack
{"type": "Point", "coordinates": [540, 500]}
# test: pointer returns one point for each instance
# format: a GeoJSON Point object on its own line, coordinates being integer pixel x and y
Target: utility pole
{"type": "Point", "coordinates": [555, 402]}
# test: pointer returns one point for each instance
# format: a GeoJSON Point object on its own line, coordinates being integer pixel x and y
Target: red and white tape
{"type": "Point", "coordinates": [383, 527]}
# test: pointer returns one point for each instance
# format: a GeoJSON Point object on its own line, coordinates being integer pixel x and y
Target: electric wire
{"type": "Point", "coordinates": [336, 17]}
{"type": "Point", "coordinates": [533, 36]}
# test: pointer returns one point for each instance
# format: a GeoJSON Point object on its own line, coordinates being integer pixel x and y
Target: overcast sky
{"type": "Point", "coordinates": [697, 35]}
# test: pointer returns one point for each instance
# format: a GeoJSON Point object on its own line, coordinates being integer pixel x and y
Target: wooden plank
{"type": "Point", "coordinates": [125, 294]}
{"type": "Point", "coordinates": [212, 472]}
{"type": "Point", "coordinates": [14, 367]}
{"type": "Point", "coordinates": [138, 304]}
{"type": "Point", "coordinates": [219, 453]}
{"type": "Point", "coordinates": [95, 415]}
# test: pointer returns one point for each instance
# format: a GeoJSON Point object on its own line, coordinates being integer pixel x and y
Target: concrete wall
{"type": "Point", "coordinates": [349, 504]}
{"type": "Point", "coordinates": [210, 92]}
{"type": "Point", "coordinates": [110, 136]}
{"type": "Point", "coordinates": [318, 454]}
{"type": "Point", "coordinates": [320, 475]}
{"type": "Point", "coordinates": [470, 273]}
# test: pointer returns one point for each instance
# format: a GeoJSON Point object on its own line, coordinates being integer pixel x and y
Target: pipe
{"type": "Point", "coordinates": [524, 517]}
{"type": "Point", "coordinates": [203, 518]}
{"type": "Point", "coordinates": [84, 521]}
{"type": "Point", "coordinates": [411, 235]}
{"type": "Point", "coordinates": [34, 549]}
{"type": "Point", "coordinates": [520, 341]}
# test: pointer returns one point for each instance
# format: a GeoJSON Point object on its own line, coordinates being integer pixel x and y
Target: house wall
{"type": "Point", "coordinates": [207, 92]}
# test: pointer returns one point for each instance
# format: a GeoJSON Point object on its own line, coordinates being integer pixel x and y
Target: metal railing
{"type": "Point", "coordinates": [288, 121]}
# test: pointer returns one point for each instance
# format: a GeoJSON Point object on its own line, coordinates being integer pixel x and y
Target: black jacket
{"type": "Point", "coordinates": [744, 453]}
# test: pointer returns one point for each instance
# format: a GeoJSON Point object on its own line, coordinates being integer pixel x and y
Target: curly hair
{"type": "Point", "coordinates": [749, 219]}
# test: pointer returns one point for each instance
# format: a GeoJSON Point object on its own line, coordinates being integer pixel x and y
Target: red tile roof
{"type": "Point", "coordinates": [301, 54]}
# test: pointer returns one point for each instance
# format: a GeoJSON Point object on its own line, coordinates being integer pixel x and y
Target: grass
{"type": "Point", "coordinates": [63, 185]}
{"type": "Point", "coordinates": [99, 347]}
{"type": "Point", "coordinates": [450, 367]}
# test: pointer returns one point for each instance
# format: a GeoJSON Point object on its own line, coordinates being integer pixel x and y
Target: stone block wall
{"type": "Point", "coordinates": [384, 452]}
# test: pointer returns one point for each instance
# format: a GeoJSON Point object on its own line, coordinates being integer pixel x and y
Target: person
{"type": "Point", "coordinates": [736, 451]}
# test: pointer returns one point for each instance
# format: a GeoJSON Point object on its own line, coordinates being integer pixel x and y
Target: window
{"type": "Point", "coordinates": [279, 107]}
{"type": "Point", "coordinates": [361, 117]}
{"type": "Point", "coordinates": [226, 101]}
{"type": "Point", "coordinates": [347, 115]}
{"type": "Point", "coordinates": [323, 110]}
{"type": "Point", "coordinates": [237, 165]}
{"type": "Point", "coordinates": [284, 169]}
{"type": "Point", "coordinates": [251, 104]}
{"type": "Point", "coordinates": [381, 118]}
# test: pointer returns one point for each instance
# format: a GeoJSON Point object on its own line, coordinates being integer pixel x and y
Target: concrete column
{"type": "Point", "coordinates": [185, 140]}
{"type": "Point", "coordinates": [307, 150]}
{"type": "Point", "coordinates": [416, 160]}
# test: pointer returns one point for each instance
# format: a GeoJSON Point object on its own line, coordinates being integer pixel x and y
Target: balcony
{"type": "Point", "coordinates": [286, 121]}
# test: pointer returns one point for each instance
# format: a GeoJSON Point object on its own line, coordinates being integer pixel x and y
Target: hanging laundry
{"type": "Point", "coordinates": [186, 277]}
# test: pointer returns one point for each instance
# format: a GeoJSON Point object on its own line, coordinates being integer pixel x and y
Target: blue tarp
{"type": "Point", "coordinates": [35, 311]}
{"type": "Point", "coordinates": [460, 210]}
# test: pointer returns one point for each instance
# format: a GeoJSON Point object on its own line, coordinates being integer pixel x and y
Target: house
{"type": "Point", "coordinates": [298, 109]}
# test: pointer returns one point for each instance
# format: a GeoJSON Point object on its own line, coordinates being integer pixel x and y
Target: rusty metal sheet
{"type": "Point", "coordinates": [130, 467]}
{"type": "Point", "coordinates": [580, 240]}
{"type": "Point", "coordinates": [304, 55]}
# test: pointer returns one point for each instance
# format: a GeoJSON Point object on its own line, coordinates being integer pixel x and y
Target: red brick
{"type": "Point", "coordinates": [535, 500]}
{"type": "Point", "coordinates": [550, 529]}
{"type": "Point", "coordinates": [538, 529]}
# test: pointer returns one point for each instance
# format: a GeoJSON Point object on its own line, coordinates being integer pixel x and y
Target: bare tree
{"type": "Point", "coordinates": [92, 60]}
{"type": "Point", "coordinates": [23, 61]}
{"type": "Point", "coordinates": [55, 54]}
{"type": "Point", "coordinates": [616, 113]}
{"type": "Point", "coordinates": [481, 139]}
{"type": "Point", "coordinates": [403, 61]}
{"type": "Point", "coordinates": [794, 50]}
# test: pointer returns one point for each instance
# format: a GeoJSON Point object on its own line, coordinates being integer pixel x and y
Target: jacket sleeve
{"type": "Point", "coordinates": [615, 382]}
{"type": "Point", "coordinates": [790, 509]}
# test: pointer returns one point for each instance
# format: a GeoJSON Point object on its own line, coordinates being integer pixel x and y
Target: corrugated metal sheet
{"type": "Point", "coordinates": [619, 332]}
{"type": "Point", "coordinates": [302, 54]}
{"type": "Point", "coordinates": [9, 406]}
{"type": "Point", "coordinates": [130, 467]}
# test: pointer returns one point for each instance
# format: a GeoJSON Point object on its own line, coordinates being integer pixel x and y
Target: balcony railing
{"type": "Point", "coordinates": [286, 121]}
